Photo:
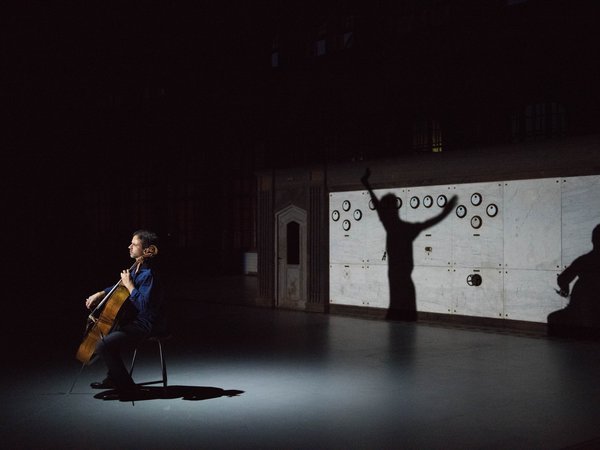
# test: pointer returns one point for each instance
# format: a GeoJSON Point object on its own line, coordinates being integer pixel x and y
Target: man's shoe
{"type": "Point", "coordinates": [107, 383]}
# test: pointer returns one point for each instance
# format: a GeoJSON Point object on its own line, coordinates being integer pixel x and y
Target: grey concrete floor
{"type": "Point", "coordinates": [242, 377]}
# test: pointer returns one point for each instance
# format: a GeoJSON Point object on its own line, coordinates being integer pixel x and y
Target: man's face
{"type": "Point", "coordinates": [135, 248]}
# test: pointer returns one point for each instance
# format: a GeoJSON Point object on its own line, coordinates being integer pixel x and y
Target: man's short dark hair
{"type": "Point", "coordinates": [147, 237]}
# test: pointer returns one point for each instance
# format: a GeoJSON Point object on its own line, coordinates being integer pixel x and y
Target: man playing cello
{"type": "Point", "coordinates": [143, 315]}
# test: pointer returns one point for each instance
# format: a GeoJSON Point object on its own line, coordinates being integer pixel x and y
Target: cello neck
{"type": "Point", "coordinates": [107, 296]}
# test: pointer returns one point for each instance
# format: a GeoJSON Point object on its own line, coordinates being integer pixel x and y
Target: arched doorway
{"type": "Point", "coordinates": [291, 258]}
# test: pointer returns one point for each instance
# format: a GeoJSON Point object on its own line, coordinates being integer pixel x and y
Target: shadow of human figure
{"type": "Point", "coordinates": [581, 317]}
{"type": "Point", "coordinates": [194, 393]}
{"type": "Point", "coordinates": [399, 250]}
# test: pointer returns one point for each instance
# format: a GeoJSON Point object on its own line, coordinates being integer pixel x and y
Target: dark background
{"type": "Point", "coordinates": [158, 115]}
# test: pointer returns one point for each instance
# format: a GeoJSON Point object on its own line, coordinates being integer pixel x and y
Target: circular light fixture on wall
{"type": "Point", "coordinates": [491, 210]}
{"type": "Point", "coordinates": [476, 199]}
{"type": "Point", "coordinates": [427, 201]}
{"type": "Point", "coordinates": [476, 222]}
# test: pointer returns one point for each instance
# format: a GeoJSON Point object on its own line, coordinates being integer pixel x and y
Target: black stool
{"type": "Point", "coordinates": [159, 340]}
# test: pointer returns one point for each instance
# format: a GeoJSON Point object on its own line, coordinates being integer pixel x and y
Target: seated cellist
{"type": "Point", "coordinates": [143, 315]}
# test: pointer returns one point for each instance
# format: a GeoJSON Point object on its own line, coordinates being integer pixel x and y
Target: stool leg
{"type": "Point", "coordinates": [133, 361]}
{"type": "Point", "coordinates": [76, 378]}
{"type": "Point", "coordinates": [163, 364]}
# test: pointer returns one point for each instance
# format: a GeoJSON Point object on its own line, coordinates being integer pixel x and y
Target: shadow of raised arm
{"type": "Point", "coordinates": [365, 181]}
{"type": "Point", "coordinates": [442, 215]}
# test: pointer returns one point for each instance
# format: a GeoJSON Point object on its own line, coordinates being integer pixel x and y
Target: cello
{"type": "Point", "coordinates": [104, 317]}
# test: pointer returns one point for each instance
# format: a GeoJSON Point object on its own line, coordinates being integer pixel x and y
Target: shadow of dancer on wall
{"type": "Point", "coordinates": [581, 317]}
{"type": "Point", "coordinates": [399, 248]}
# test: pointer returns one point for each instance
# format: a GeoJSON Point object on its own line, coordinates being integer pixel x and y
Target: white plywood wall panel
{"type": "Point", "coordinates": [580, 215]}
{"type": "Point", "coordinates": [368, 231]}
{"type": "Point", "coordinates": [342, 248]}
{"type": "Point", "coordinates": [359, 285]}
{"type": "Point", "coordinates": [529, 295]}
{"type": "Point", "coordinates": [377, 292]}
{"type": "Point", "coordinates": [345, 231]}
{"type": "Point", "coordinates": [478, 237]}
{"type": "Point", "coordinates": [433, 247]}
{"type": "Point", "coordinates": [538, 227]}
{"type": "Point", "coordinates": [433, 287]}
{"type": "Point", "coordinates": [532, 224]}
{"type": "Point", "coordinates": [374, 242]}
{"type": "Point", "coordinates": [356, 233]}
{"type": "Point", "coordinates": [345, 284]}
{"type": "Point", "coordinates": [485, 300]}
